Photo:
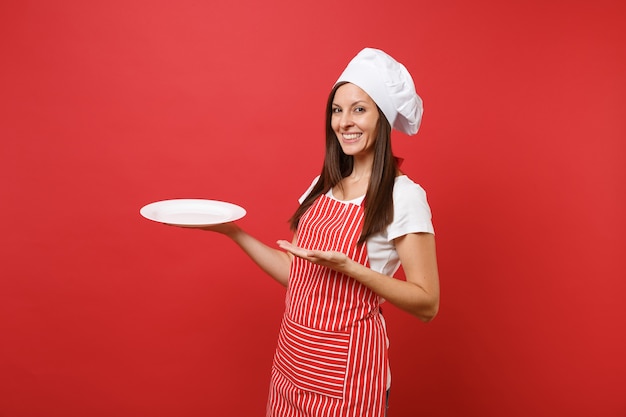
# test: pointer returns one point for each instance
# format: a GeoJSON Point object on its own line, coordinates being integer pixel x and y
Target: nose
{"type": "Point", "coordinates": [346, 120]}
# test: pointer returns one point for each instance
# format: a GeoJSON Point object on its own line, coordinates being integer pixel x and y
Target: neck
{"type": "Point", "coordinates": [362, 168]}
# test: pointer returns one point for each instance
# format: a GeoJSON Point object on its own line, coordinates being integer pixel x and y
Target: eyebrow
{"type": "Point", "coordinates": [353, 104]}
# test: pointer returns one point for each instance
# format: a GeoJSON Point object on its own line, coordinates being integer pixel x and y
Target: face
{"type": "Point", "coordinates": [354, 120]}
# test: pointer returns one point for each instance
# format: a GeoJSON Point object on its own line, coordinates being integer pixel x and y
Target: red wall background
{"type": "Point", "coordinates": [107, 106]}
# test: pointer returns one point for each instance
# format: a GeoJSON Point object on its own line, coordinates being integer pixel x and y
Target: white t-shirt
{"type": "Point", "coordinates": [411, 214]}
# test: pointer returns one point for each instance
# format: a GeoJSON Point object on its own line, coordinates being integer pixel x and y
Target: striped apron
{"type": "Point", "coordinates": [331, 358]}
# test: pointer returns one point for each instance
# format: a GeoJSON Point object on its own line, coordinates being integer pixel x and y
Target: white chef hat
{"type": "Point", "coordinates": [390, 85]}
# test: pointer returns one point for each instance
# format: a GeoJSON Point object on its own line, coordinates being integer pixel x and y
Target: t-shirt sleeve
{"type": "Point", "coordinates": [411, 210]}
{"type": "Point", "coordinates": [306, 193]}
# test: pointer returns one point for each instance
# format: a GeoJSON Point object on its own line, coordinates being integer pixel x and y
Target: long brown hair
{"type": "Point", "coordinates": [378, 202]}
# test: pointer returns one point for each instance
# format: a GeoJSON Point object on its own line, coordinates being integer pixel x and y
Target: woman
{"type": "Point", "coordinates": [359, 220]}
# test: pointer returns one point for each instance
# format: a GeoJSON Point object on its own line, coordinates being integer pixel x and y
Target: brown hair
{"type": "Point", "coordinates": [378, 202]}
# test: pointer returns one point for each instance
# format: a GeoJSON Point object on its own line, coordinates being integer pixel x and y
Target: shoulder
{"type": "Point", "coordinates": [411, 212]}
{"type": "Point", "coordinates": [308, 190]}
{"type": "Point", "coordinates": [405, 190]}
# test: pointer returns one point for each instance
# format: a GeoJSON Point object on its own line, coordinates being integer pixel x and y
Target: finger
{"type": "Point", "coordinates": [284, 244]}
{"type": "Point", "coordinates": [291, 248]}
{"type": "Point", "coordinates": [287, 246]}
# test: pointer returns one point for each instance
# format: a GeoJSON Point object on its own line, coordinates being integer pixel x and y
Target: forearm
{"type": "Point", "coordinates": [408, 296]}
{"type": "Point", "coordinates": [274, 262]}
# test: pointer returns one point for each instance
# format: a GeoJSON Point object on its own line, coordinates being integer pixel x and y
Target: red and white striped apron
{"type": "Point", "coordinates": [331, 358]}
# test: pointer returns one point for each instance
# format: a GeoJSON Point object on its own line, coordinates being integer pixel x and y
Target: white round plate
{"type": "Point", "coordinates": [191, 212]}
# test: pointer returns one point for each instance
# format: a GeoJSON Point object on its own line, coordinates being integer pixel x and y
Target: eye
{"type": "Point", "coordinates": [336, 110]}
{"type": "Point", "coordinates": [359, 109]}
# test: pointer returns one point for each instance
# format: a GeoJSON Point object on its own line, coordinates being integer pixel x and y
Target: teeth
{"type": "Point", "coordinates": [351, 135]}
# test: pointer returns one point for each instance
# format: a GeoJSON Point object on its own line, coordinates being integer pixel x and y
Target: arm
{"type": "Point", "coordinates": [418, 295]}
{"type": "Point", "coordinates": [274, 262]}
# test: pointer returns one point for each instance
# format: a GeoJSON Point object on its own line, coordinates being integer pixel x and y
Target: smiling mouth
{"type": "Point", "coordinates": [351, 136]}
